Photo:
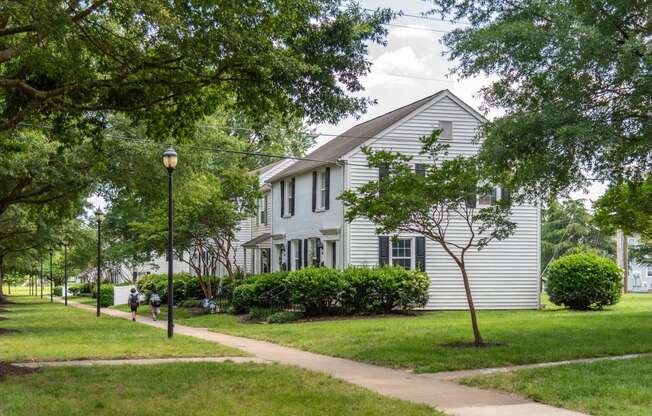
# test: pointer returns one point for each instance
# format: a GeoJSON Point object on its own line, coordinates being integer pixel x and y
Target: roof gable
{"type": "Point", "coordinates": [358, 135]}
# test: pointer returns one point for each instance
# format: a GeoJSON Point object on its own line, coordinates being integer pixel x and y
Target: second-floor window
{"type": "Point", "coordinates": [262, 210]}
{"type": "Point", "coordinates": [321, 190]}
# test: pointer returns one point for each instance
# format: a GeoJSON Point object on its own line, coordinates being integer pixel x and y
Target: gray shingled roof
{"type": "Point", "coordinates": [354, 137]}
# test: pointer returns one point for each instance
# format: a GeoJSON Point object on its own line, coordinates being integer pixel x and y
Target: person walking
{"type": "Point", "coordinates": [155, 301]}
{"type": "Point", "coordinates": [134, 302]}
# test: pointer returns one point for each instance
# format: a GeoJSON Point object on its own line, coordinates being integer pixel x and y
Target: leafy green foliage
{"type": "Point", "coordinates": [567, 225]}
{"type": "Point", "coordinates": [317, 289]}
{"type": "Point", "coordinates": [628, 207]}
{"type": "Point", "coordinates": [106, 295]}
{"type": "Point", "coordinates": [268, 290]}
{"type": "Point", "coordinates": [284, 317]}
{"type": "Point", "coordinates": [184, 285]}
{"type": "Point", "coordinates": [583, 281]}
{"type": "Point", "coordinates": [573, 78]}
{"type": "Point", "coordinates": [160, 61]}
{"type": "Point", "coordinates": [384, 289]}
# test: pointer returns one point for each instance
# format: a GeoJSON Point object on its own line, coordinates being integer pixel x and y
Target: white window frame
{"type": "Point", "coordinates": [442, 137]}
{"type": "Point", "coordinates": [288, 198]}
{"type": "Point", "coordinates": [497, 196]}
{"type": "Point", "coordinates": [412, 252]}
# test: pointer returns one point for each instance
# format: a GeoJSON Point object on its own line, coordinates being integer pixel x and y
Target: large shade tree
{"type": "Point", "coordinates": [438, 202]}
{"type": "Point", "coordinates": [574, 80]}
{"type": "Point", "coordinates": [170, 63]}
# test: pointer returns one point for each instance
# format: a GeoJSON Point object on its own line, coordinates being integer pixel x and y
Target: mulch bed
{"type": "Point", "coordinates": [487, 344]}
{"type": "Point", "coordinates": [12, 370]}
{"type": "Point", "coordinates": [8, 331]}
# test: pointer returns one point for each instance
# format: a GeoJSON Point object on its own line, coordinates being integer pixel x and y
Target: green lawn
{"type": "Point", "coordinates": [53, 332]}
{"type": "Point", "coordinates": [192, 389]}
{"type": "Point", "coordinates": [417, 342]}
{"type": "Point", "coordinates": [608, 388]}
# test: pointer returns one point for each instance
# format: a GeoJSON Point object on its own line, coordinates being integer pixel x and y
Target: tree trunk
{"type": "Point", "coordinates": [2, 278]}
{"type": "Point", "coordinates": [469, 299]}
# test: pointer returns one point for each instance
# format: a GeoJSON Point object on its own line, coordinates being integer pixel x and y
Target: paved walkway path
{"type": "Point", "coordinates": [455, 375]}
{"type": "Point", "coordinates": [444, 395]}
{"type": "Point", "coordinates": [140, 361]}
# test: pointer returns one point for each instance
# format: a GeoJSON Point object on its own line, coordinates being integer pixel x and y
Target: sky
{"type": "Point", "coordinates": [414, 65]}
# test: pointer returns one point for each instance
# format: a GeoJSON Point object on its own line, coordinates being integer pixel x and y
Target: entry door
{"type": "Point", "coordinates": [264, 260]}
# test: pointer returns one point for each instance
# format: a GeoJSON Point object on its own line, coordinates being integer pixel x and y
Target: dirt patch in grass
{"type": "Point", "coordinates": [486, 344]}
{"type": "Point", "coordinates": [8, 331]}
{"type": "Point", "coordinates": [12, 370]}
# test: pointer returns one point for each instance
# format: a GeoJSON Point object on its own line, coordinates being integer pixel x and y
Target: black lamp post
{"type": "Point", "coordinates": [170, 162]}
{"type": "Point", "coordinates": [65, 272]}
{"type": "Point", "coordinates": [41, 277]}
{"type": "Point", "coordinates": [51, 280]}
{"type": "Point", "coordinates": [99, 216]}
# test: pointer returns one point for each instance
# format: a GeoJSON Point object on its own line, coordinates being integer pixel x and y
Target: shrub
{"type": "Point", "coordinates": [267, 290]}
{"type": "Point", "coordinates": [78, 288]}
{"type": "Point", "coordinates": [384, 289]}
{"type": "Point", "coordinates": [583, 281]}
{"type": "Point", "coordinates": [317, 289]}
{"type": "Point", "coordinates": [284, 317]}
{"type": "Point", "coordinates": [106, 295]}
{"type": "Point", "coordinates": [58, 291]}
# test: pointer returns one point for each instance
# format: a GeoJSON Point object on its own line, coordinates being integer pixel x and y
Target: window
{"type": "Point", "coordinates": [487, 198]}
{"type": "Point", "coordinates": [402, 253]}
{"type": "Point", "coordinates": [322, 190]}
{"type": "Point", "coordinates": [296, 251]}
{"type": "Point", "coordinates": [649, 272]}
{"type": "Point", "coordinates": [290, 200]}
{"type": "Point", "coordinates": [262, 210]}
{"type": "Point", "coordinates": [446, 130]}
{"type": "Point", "coordinates": [420, 169]}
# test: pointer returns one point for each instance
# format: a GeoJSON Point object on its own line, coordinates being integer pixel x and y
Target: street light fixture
{"type": "Point", "coordinates": [51, 280]}
{"type": "Point", "coordinates": [170, 162]}
{"type": "Point", "coordinates": [99, 216]}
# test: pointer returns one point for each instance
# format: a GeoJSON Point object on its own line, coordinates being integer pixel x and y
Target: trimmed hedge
{"type": "Point", "coordinates": [323, 291]}
{"type": "Point", "coordinates": [584, 281]}
{"type": "Point", "coordinates": [185, 286]}
{"type": "Point", "coordinates": [77, 289]}
{"type": "Point", "coordinates": [267, 290]}
{"type": "Point", "coordinates": [58, 291]}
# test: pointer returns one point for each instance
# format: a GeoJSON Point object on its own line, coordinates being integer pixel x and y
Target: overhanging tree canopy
{"type": "Point", "coordinates": [170, 63]}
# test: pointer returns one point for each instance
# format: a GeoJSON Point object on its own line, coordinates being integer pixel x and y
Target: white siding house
{"type": "Point", "coordinates": [503, 276]}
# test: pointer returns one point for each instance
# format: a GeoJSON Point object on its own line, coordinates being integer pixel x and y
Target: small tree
{"type": "Point", "coordinates": [431, 202]}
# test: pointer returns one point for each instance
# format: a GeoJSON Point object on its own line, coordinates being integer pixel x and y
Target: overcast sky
{"type": "Point", "coordinates": [414, 65]}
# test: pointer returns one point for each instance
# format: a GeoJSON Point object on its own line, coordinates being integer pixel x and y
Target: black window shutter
{"type": "Point", "coordinates": [305, 252]}
{"type": "Point", "coordinates": [420, 169]}
{"type": "Point", "coordinates": [327, 202]}
{"type": "Point", "coordinates": [292, 189]}
{"type": "Point", "coordinates": [314, 191]}
{"type": "Point", "coordinates": [420, 256]}
{"type": "Point", "coordinates": [299, 260]}
{"type": "Point", "coordinates": [334, 254]}
{"type": "Point", "coordinates": [282, 198]}
{"type": "Point", "coordinates": [318, 253]}
{"type": "Point", "coordinates": [289, 266]}
{"type": "Point", "coordinates": [383, 250]}
{"type": "Point", "coordinates": [506, 194]}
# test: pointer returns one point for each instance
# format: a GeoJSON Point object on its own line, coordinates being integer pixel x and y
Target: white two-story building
{"type": "Point", "coordinates": [308, 226]}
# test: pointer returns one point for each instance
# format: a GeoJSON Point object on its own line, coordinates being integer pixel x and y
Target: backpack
{"type": "Point", "coordinates": [133, 299]}
{"type": "Point", "coordinates": [156, 300]}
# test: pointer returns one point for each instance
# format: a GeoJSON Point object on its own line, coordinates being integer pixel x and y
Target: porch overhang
{"type": "Point", "coordinates": [254, 242]}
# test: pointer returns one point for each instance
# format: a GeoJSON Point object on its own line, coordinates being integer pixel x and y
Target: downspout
{"type": "Point", "coordinates": [345, 226]}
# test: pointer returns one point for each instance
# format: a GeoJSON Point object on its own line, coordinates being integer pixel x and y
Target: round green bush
{"type": "Point", "coordinates": [584, 281]}
{"type": "Point", "coordinates": [317, 289]}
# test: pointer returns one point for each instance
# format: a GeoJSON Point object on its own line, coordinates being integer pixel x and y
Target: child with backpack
{"type": "Point", "coordinates": [134, 302]}
{"type": "Point", "coordinates": [155, 301]}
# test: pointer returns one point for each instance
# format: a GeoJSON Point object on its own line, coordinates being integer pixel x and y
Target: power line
{"type": "Point", "coordinates": [416, 77]}
{"type": "Point", "coordinates": [425, 29]}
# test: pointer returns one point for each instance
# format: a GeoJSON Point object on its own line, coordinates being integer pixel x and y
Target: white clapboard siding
{"type": "Point", "coordinates": [504, 275]}
{"type": "Point", "coordinates": [242, 235]}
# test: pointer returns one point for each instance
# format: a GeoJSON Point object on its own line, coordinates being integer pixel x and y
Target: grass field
{"type": "Point", "coordinates": [48, 331]}
{"type": "Point", "coordinates": [607, 388]}
{"type": "Point", "coordinates": [419, 342]}
{"type": "Point", "coordinates": [196, 389]}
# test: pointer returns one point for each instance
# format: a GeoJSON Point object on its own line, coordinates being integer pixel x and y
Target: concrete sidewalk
{"type": "Point", "coordinates": [139, 361]}
{"type": "Point", "coordinates": [444, 395]}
